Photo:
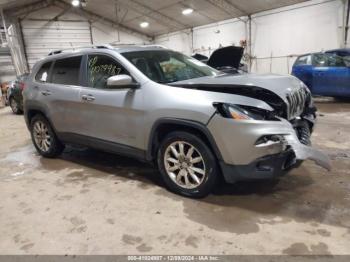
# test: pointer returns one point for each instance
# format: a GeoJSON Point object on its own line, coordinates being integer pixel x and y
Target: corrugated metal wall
{"type": "Point", "coordinates": [7, 71]}
{"type": "Point", "coordinates": [42, 37]}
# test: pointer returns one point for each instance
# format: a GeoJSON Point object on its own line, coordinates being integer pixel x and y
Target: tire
{"type": "Point", "coordinates": [14, 106]}
{"type": "Point", "coordinates": [40, 129]}
{"type": "Point", "coordinates": [174, 174]}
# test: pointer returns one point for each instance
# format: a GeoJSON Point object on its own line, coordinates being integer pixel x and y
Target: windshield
{"type": "Point", "coordinates": [165, 66]}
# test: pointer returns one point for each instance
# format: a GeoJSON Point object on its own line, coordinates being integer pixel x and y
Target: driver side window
{"type": "Point", "coordinates": [100, 68]}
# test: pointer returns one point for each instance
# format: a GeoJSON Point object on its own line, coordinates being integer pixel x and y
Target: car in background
{"type": "Point", "coordinates": [326, 74]}
{"type": "Point", "coordinates": [14, 94]}
{"type": "Point", "coordinates": [225, 59]}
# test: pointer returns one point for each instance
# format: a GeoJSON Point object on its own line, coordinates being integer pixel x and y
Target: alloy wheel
{"type": "Point", "coordinates": [42, 136]}
{"type": "Point", "coordinates": [14, 105]}
{"type": "Point", "coordinates": [184, 165]}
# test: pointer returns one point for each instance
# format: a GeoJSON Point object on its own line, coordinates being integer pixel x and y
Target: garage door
{"type": "Point", "coordinates": [42, 37]}
{"type": "Point", "coordinates": [7, 71]}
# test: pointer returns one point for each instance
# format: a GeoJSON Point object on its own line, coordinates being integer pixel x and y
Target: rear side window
{"type": "Point", "coordinates": [302, 60]}
{"type": "Point", "coordinates": [66, 71]}
{"type": "Point", "coordinates": [43, 73]}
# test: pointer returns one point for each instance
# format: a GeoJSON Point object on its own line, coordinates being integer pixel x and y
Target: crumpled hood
{"type": "Point", "coordinates": [278, 84]}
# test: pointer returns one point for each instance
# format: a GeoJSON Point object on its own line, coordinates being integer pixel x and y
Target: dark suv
{"type": "Point", "coordinates": [14, 94]}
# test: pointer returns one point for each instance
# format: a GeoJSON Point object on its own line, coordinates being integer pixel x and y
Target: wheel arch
{"type": "Point", "coordinates": [31, 111]}
{"type": "Point", "coordinates": [164, 126]}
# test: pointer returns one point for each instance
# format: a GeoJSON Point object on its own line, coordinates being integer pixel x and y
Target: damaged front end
{"type": "Point", "coordinates": [257, 143]}
{"type": "Point", "coordinates": [264, 128]}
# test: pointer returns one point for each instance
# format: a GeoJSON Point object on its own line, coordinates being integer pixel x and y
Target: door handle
{"type": "Point", "coordinates": [87, 97]}
{"type": "Point", "coordinates": [46, 93]}
{"type": "Point", "coordinates": [319, 73]}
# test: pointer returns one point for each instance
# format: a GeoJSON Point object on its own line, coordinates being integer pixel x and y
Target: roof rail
{"type": "Point", "coordinates": [121, 45]}
{"type": "Point", "coordinates": [104, 46]}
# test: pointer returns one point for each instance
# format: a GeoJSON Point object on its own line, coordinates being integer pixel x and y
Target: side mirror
{"type": "Point", "coordinates": [121, 81]}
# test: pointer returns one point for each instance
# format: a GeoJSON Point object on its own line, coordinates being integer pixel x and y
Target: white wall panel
{"type": "Point", "coordinates": [209, 38]}
{"type": "Point", "coordinates": [181, 42]}
{"type": "Point", "coordinates": [280, 33]}
{"type": "Point", "coordinates": [205, 38]}
{"type": "Point", "coordinates": [103, 34]}
{"type": "Point", "coordinates": [7, 71]}
{"type": "Point", "coordinates": [309, 27]}
{"type": "Point", "coordinates": [42, 37]}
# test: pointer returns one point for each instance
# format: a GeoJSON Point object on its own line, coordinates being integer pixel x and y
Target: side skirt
{"type": "Point", "coordinates": [100, 144]}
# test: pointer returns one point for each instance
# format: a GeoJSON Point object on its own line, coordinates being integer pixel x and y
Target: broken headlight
{"type": "Point", "coordinates": [240, 112]}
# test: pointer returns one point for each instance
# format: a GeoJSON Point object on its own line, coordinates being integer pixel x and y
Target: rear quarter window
{"type": "Point", "coordinates": [43, 74]}
{"type": "Point", "coordinates": [303, 60]}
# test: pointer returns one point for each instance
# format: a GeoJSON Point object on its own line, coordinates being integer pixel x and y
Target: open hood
{"type": "Point", "coordinates": [229, 56]}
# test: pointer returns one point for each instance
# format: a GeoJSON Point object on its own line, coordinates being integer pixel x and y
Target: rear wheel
{"type": "Point", "coordinates": [14, 106]}
{"type": "Point", "coordinates": [187, 165]}
{"type": "Point", "coordinates": [44, 138]}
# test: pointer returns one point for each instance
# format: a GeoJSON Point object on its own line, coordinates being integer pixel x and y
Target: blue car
{"type": "Point", "coordinates": [326, 74]}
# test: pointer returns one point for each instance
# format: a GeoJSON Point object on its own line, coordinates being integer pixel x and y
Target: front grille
{"type": "Point", "coordinates": [302, 130]}
{"type": "Point", "coordinates": [304, 135]}
{"type": "Point", "coordinates": [296, 102]}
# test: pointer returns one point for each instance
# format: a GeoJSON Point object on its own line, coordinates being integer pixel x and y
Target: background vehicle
{"type": "Point", "coordinates": [325, 74]}
{"type": "Point", "coordinates": [226, 59]}
{"type": "Point", "coordinates": [14, 94]}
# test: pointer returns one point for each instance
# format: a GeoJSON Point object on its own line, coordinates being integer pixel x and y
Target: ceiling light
{"type": "Point", "coordinates": [144, 24]}
{"type": "Point", "coordinates": [187, 11]}
{"type": "Point", "coordinates": [75, 3]}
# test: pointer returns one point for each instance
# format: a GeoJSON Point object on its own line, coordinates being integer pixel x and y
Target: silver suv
{"type": "Point", "coordinates": [194, 122]}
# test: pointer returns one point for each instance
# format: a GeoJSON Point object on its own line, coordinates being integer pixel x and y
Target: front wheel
{"type": "Point", "coordinates": [44, 138]}
{"type": "Point", "coordinates": [187, 165]}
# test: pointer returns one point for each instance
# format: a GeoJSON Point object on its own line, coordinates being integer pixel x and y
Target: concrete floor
{"type": "Point", "coordinates": [89, 202]}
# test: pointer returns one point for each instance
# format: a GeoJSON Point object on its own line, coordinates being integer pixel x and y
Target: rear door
{"type": "Point", "coordinates": [58, 89]}
{"type": "Point", "coordinates": [331, 75]}
{"type": "Point", "coordinates": [109, 114]}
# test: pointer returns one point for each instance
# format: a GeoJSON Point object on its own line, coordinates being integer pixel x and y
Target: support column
{"type": "Point", "coordinates": [346, 22]}
{"type": "Point", "coordinates": [249, 43]}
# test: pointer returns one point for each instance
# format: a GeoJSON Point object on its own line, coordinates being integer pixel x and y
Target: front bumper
{"type": "Point", "coordinates": [262, 168]}
{"type": "Point", "coordinates": [243, 158]}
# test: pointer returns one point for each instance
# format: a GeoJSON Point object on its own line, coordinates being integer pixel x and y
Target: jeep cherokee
{"type": "Point", "coordinates": [194, 122]}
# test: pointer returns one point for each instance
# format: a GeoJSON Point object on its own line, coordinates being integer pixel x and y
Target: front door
{"type": "Point", "coordinates": [302, 69]}
{"type": "Point", "coordinates": [109, 114]}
